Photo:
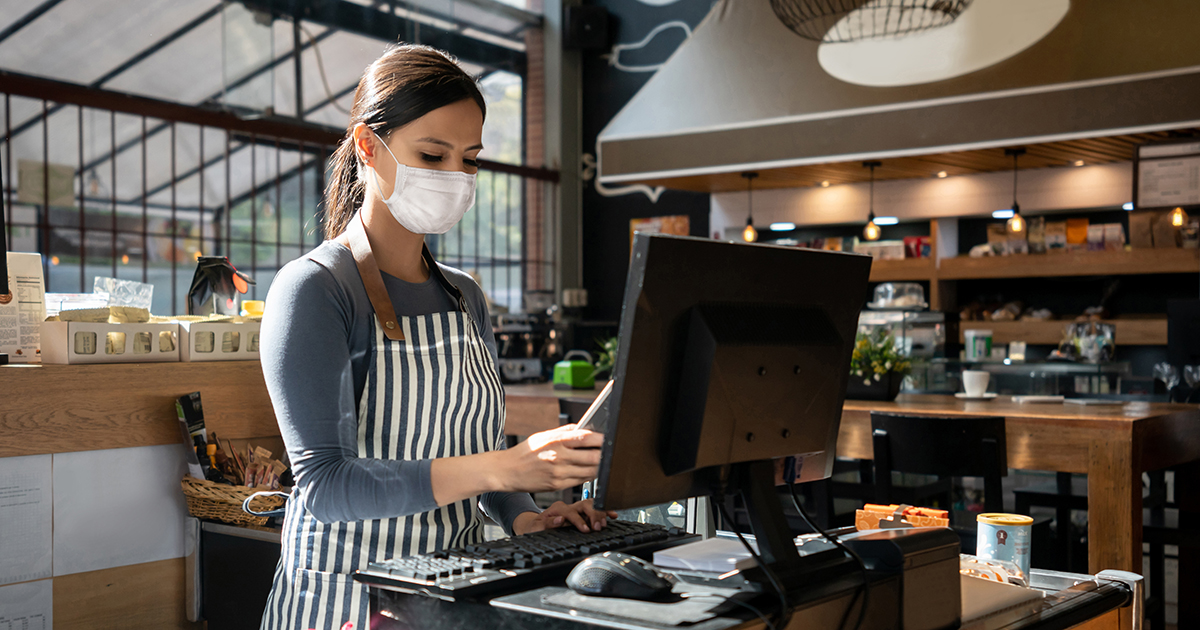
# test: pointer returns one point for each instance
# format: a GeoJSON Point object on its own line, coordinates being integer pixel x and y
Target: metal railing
{"type": "Point", "coordinates": [107, 184]}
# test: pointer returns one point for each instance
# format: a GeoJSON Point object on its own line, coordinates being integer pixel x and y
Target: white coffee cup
{"type": "Point", "coordinates": [975, 382]}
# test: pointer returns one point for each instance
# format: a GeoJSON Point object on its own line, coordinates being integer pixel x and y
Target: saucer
{"type": "Point", "coordinates": [964, 396]}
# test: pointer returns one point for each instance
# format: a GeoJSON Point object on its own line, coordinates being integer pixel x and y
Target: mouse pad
{"type": "Point", "coordinates": [703, 603]}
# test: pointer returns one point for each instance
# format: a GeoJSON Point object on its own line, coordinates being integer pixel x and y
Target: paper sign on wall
{"type": "Point", "coordinates": [25, 519]}
{"type": "Point", "coordinates": [28, 606]}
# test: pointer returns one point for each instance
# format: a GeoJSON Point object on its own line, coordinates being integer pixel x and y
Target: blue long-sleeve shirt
{"type": "Point", "coordinates": [315, 348]}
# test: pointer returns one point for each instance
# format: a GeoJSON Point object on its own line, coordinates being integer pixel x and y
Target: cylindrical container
{"type": "Point", "coordinates": [1005, 537]}
{"type": "Point", "coordinates": [978, 344]}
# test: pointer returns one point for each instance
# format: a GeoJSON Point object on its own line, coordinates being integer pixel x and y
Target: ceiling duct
{"type": "Point", "coordinates": [841, 21]}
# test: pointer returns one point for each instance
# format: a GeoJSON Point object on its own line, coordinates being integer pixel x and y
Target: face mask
{"type": "Point", "coordinates": [427, 201]}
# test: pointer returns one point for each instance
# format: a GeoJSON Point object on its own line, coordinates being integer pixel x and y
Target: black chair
{"type": "Point", "coordinates": [942, 446]}
{"type": "Point", "coordinates": [947, 447]}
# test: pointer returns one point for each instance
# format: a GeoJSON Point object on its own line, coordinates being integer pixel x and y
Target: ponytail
{"type": "Point", "coordinates": [345, 191]}
{"type": "Point", "coordinates": [404, 84]}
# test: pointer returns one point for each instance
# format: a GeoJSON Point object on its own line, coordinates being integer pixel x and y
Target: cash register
{"type": "Point", "coordinates": [731, 356]}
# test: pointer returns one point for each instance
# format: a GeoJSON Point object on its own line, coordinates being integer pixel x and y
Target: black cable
{"type": "Point", "coordinates": [862, 566]}
{"type": "Point", "coordinates": [785, 611]}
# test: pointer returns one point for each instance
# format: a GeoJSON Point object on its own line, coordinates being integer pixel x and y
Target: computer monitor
{"type": "Point", "coordinates": [730, 355]}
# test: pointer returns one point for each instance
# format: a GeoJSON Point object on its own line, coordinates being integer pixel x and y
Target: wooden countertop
{"type": "Point", "coordinates": [935, 404]}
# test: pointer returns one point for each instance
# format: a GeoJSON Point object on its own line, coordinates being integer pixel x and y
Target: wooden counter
{"type": "Point", "coordinates": [1113, 445]}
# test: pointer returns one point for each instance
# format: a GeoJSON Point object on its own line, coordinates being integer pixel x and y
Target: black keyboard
{"type": "Point", "coordinates": [510, 564]}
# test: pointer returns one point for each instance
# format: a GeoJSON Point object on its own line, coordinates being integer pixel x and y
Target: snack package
{"type": "Point", "coordinates": [1114, 237]}
{"type": "Point", "coordinates": [912, 247]}
{"type": "Point", "coordinates": [834, 243]}
{"type": "Point", "coordinates": [926, 243]}
{"type": "Point", "coordinates": [1141, 230]}
{"type": "Point", "coordinates": [1037, 235]}
{"type": "Point", "coordinates": [870, 515]}
{"type": "Point", "coordinates": [1077, 234]}
{"type": "Point", "coordinates": [1056, 236]}
{"type": "Point", "coordinates": [1165, 234]}
{"type": "Point", "coordinates": [1095, 238]}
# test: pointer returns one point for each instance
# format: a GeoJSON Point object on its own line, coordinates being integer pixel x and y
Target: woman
{"type": "Point", "coordinates": [381, 366]}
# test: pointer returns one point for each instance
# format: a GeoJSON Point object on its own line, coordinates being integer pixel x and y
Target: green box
{"type": "Point", "coordinates": [575, 374]}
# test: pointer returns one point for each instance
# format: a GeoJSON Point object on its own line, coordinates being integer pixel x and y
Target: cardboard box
{"type": "Point", "coordinates": [218, 341]}
{"type": "Point", "coordinates": [71, 343]}
{"type": "Point", "coordinates": [1141, 230]}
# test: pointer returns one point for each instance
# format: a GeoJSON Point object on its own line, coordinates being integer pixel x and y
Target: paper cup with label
{"type": "Point", "coordinates": [978, 344]}
{"type": "Point", "coordinates": [1005, 537]}
{"type": "Point", "coordinates": [975, 382]}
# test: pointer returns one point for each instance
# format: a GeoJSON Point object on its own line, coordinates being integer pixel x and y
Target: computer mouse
{"type": "Point", "coordinates": [615, 574]}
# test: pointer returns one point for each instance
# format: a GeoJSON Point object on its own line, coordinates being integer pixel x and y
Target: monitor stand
{"type": "Point", "coordinates": [755, 481]}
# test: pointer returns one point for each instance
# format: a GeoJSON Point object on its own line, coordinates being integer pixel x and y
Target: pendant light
{"type": "Point", "coordinates": [872, 232]}
{"type": "Point", "coordinates": [1016, 223]}
{"type": "Point", "coordinates": [749, 234]}
{"type": "Point", "coordinates": [1178, 217]}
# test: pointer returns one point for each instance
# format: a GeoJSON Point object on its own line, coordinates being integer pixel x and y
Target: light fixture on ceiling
{"type": "Point", "coordinates": [783, 226]}
{"type": "Point", "coordinates": [1016, 223]}
{"type": "Point", "coordinates": [1178, 217]}
{"type": "Point", "coordinates": [825, 184]}
{"type": "Point", "coordinates": [1127, 206]}
{"type": "Point", "coordinates": [840, 21]}
{"type": "Point", "coordinates": [1078, 162]}
{"type": "Point", "coordinates": [872, 232]}
{"type": "Point", "coordinates": [886, 220]}
{"type": "Point", "coordinates": [1002, 214]}
{"type": "Point", "coordinates": [749, 234]}
{"type": "Point", "coordinates": [942, 174]}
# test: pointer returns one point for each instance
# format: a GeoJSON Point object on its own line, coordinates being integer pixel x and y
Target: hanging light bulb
{"type": "Point", "coordinates": [1178, 217]}
{"type": "Point", "coordinates": [872, 232]}
{"type": "Point", "coordinates": [1016, 224]}
{"type": "Point", "coordinates": [749, 234]}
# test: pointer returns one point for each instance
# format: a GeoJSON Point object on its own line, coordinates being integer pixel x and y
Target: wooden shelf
{"type": "Point", "coordinates": [1132, 262]}
{"type": "Point", "coordinates": [909, 269]}
{"type": "Point", "coordinates": [1151, 331]}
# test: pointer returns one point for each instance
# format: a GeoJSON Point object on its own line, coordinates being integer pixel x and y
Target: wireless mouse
{"type": "Point", "coordinates": [615, 574]}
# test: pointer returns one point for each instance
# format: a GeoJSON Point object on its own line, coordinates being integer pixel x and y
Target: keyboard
{"type": "Point", "coordinates": [491, 568]}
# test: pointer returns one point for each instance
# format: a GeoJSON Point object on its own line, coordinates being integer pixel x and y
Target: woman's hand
{"type": "Point", "coordinates": [551, 460]}
{"type": "Point", "coordinates": [582, 515]}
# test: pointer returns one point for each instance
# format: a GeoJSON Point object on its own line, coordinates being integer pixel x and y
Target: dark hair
{"type": "Point", "coordinates": [402, 85]}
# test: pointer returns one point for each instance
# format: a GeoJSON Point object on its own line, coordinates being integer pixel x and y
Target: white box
{"type": "Point", "coordinates": [83, 342]}
{"type": "Point", "coordinates": [218, 341]}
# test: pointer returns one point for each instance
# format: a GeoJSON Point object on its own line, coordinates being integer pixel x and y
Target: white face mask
{"type": "Point", "coordinates": [427, 201]}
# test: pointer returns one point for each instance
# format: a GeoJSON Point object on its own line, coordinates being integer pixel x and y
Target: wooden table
{"type": "Point", "coordinates": [1113, 445]}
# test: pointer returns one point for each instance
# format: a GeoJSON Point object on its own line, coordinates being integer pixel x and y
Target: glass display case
{"type": "Point", "coordinates": [920, 335]}
{"type": "Point", "coordinates": [1048, 378]}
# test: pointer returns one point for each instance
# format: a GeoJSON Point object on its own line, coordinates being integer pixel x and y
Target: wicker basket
{"type": "Point", "coordinates": [220, 502]}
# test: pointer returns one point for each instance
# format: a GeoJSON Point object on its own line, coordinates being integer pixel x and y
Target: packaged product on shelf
{"type": "Point", "coordinates": [833, 243]}
{"type": "Point", "coordinates": [912, 247]}
{"type": "Point", "coordinates": [1095, 238]}
{"type": "Point", "coordinates": [926, 244]}
{"type": "Point", "coordinates": [1077, 234]}
{"type": "Point", "coordinates": [21, 317]}
{"type": "Point", "coordinates": [1165, 234]}
{"type": "Point", "coordinates": [1037, 235]}
{"type": "Point", "coordinates": [1114, 237]}
{"type": "Point", "coordinates": [997, 237]}
{"type": "Point", "coordinates": [1141, 230]}
{"type": "Point", "coordinates": [1056, 236]}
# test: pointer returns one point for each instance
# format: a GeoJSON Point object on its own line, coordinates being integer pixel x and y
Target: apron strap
{"type": "Point", "coordinates": [355, 239]}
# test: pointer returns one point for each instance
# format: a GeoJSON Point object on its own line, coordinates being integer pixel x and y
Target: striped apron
{"type": "Point", "coordinates": [435, 393]}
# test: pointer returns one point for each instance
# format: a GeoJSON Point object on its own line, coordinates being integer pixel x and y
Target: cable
{"type": "Point", "coordinates": [862, 566]}
{"type": "Point", "coordinates": [321, 68]}
{"type": "Point", "coordinates": [785, 611]}
{"type": "Point", "coordinates": [732, 600]}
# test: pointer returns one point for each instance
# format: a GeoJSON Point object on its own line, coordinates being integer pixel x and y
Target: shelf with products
{"type": "Point", "coordinates": [1099, 263]}
{"type": "Point", "coordinates": [1143, 331]}
{"type": "Point", "coordinates": [1051, 378]}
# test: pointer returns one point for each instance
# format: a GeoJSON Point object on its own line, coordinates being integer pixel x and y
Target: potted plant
{"type": "Point", "coordinates": [606, 359]}
{"type": "Point", "coordinates": [876, 367]}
